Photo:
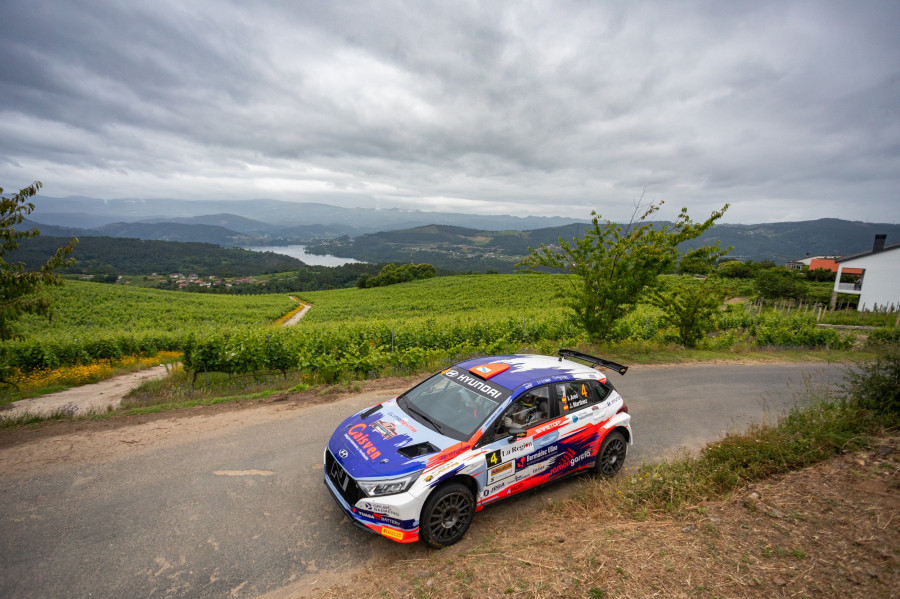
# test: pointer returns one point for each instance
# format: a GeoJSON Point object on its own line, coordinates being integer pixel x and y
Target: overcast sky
{"type": "Point", "coordinates": [786, 110]}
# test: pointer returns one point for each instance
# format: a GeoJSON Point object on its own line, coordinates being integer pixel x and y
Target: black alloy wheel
{"type": "Point", "coordinates": [611, 456]}
{"type": "Point", "coordinates": [446, 515]}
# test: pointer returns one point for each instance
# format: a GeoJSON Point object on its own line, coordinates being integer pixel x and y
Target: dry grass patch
{"type": "Point", "coordinates": [831, 530]}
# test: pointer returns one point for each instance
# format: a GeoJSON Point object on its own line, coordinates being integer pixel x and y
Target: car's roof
{"type": "Point", "coordinates": [521, 369]}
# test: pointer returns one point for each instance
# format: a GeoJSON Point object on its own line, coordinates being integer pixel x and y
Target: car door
{"type": "Point", "coordinates": [510, 442]}
{"type": "Point", "coordinates": [579, 403]}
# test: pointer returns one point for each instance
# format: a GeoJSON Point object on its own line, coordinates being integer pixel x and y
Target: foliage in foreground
{"type": "Point", "coordinates": [20, 290]}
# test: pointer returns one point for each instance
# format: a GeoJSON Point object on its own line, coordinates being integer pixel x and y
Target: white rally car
{"type": "Point", "coordinates": [418, 467]}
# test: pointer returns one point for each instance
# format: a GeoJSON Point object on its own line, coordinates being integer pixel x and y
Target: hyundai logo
{"type": "Point", "coordinates": [343, 453]}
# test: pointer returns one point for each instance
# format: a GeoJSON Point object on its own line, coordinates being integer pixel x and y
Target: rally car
{"type": "Point", "coordinates": [419, 466]}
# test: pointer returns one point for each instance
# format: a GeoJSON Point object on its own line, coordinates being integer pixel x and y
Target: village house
{"type": "Point", "coordinates": [878, 283]}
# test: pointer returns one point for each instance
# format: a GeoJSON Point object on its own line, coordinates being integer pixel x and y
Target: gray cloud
{"type": "Point", "coordinates": [786, 110]}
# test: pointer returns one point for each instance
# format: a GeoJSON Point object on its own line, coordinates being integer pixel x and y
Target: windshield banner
{"type": "Point", "coordinates": [479, 386]}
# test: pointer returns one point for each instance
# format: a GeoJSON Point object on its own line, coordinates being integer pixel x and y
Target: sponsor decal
{"type": "Point", "coordinates": [358, 435]}
{"type": "Point", "coordinates": [546, 428]}
{"type": "Point", "coordinates": [568, 460]}
{"type": "Point", "coordinates": [385, 428]}
{"type": "Point", "coordinates": [515, 488]}
{"type": "Point", "coordinates": [476, 384]}
{"type": "Point", "coordinates": [577, 403]}
{"type": "Point", "coordinates": [441, 470]}
{"type": "Point", "coordinates": [391, 533]}
{"type": "Point", "coordinates": [486, 371]}
{"type": "Point", "coordinates": [496, 488]}
{"type": "Point", "coordinates": [381, 508]}
{"type": "Point", "coordinates": [500, 472]}
{"type": "Point", "coordinates": [510, 452]}
{"type": "Point", "coordinates": [406, 423]}
{"type": "Point", "coordinates": [448, 454]}
{"type": "Point", "coordinates": [381, 518]}
{"type": "Point", "coordinates": [532, 470]}
{"type": "Point", "coordinates": [539, 456]}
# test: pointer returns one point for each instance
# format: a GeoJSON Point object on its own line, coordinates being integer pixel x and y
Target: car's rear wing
{"type": "Point", "coordinates": [570, 353]}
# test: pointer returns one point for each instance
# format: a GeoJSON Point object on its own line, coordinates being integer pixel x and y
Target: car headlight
{"type": "Point", "coordinates": [373, 488]}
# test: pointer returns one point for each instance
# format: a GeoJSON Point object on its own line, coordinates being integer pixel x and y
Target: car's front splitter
{"type": "Point", "coordinates": [373, 521]}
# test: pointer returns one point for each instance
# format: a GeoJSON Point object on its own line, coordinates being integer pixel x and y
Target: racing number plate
{"type": "Point", "coordinates": [339, 475]}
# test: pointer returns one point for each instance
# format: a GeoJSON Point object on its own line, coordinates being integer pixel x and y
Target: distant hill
{"type": "Point", "coordinates": [273, 216]}
{"type": "Point", "coordinates": [135, 256]}
{"type": "Point", "coordinates": [783, 242]}
{"type": "Point", "coordinates": [465, 249]}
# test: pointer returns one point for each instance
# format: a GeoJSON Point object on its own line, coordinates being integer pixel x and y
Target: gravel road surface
{"type": "Point", "coordinates": [232, 503]}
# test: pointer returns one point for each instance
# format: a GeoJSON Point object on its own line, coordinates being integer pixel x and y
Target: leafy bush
{"type": "Point", "coordinates": [391, 274]}
{"type": "Point", "coordinates": [778, 283]}
{"type": "Point", "coordinates": [734, 269]}
{"type": "Point", "coordinates": [821, 274]}
{"type": "Point", "coordinates": [690, 309]}
{"type": "Point", "coordinates": [875, 386]}
{"type": "Point", "coordinates": [885, 335]}
{"type": "Point", "coordinates": [796, 330]}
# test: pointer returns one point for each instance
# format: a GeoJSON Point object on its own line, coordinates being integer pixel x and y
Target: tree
{"type": "Point", "coordinates": [611, 266]}
{"type": "Point", "coordinates": [690, 309]}
{"type": "Point", "coordinates": [20, 290]}
{"type": "Point", "coordinates": [778, 283]}
{"type": "Point", "coordinates": [734, 269]}
{"type": "Point", "coordinates": [702, 260]}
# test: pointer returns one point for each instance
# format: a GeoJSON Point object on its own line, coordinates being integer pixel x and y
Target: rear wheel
{"type": "Point", "coordinates": [611, 456]}
{"type": "Point", "coordinates": [446, 515]}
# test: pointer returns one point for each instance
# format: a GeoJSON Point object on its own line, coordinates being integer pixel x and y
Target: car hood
{"type": "Point", "coordinates": [372, 443]}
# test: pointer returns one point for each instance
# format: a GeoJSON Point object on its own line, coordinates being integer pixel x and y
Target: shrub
{"type": "Point", "coordinates": [778, 283]}
{"type": "Point", "coordinates": [875, 385]}
{"type": "Point", "coordinates": [734, 270]}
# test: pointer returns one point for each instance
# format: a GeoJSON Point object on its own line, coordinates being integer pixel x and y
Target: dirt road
{"type": "Point", "coordinates": [88, 398]}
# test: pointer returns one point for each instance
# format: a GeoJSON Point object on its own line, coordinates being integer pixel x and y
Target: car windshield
{"type": "Point", "coordinates": [447, 407]}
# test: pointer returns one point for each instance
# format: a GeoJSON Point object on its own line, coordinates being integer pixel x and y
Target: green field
{"type": "Point", "coordinates": [85, 310]}
{"type": "Point", "coordinates": [358, 333]}
{"type": "Point", "coordinates": [482, 298]}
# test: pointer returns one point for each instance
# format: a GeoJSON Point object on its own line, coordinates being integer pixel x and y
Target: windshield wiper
{"type": "Point", "coordinates": [419, 414]}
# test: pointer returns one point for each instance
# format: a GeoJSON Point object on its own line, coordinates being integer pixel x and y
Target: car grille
{"type": "Point", "coordinates": [341, 480]}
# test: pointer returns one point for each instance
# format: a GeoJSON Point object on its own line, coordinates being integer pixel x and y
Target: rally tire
{"type": "Point", "coordinates": [446, 515]}
{"type": "Point", "coordinates": [611, 456]}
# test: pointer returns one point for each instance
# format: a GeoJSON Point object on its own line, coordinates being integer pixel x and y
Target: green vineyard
{"type": "Point", "coordinates": [357, 333]}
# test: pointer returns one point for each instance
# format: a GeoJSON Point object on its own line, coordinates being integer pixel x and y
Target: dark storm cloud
{"type": "Point", "coordinates": [787, 110]}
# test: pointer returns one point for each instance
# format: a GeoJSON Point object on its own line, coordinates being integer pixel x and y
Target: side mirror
{"type": "Point", "coordinates": [517, 433]}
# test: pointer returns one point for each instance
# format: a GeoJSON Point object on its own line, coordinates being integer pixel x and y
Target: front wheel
{"type": "Point", "coordinates": [446, 515]}
{"type": "Point", "coordinates": [611, 456]}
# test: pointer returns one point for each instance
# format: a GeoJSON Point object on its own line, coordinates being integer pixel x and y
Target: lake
{"type": "Point", "coordinates": [299, 252]}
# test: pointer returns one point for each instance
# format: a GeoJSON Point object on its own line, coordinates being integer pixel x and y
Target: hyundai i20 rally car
{"type": "Point", "coordinates": [418, 467]}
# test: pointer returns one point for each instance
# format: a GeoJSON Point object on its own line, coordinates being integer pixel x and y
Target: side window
{"type": "Point", "coordinates": [529, 409]}
{"type": "Point", "coordinates": [575, 395]}
{"type": "Point", "coordinates": [602, 390]}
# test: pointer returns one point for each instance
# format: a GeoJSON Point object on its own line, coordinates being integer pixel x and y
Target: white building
{"type": "Point", "coordinates": [879, 285]}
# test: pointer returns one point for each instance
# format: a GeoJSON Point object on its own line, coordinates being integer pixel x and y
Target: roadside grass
{"type": "Point", "coordinates": [823, 425]}
{"type": "Point", "coordinates": [179, 389]}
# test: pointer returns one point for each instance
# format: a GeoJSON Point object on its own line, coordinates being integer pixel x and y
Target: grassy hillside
{"type": "Point", "coordinates": [87, 310]}
{"type": "Point", "coordinates": [135, 256]}
{"type": "Point", "coordinates": [466, 297]}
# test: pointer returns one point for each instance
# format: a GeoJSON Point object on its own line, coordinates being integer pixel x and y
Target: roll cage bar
{"type": "Point", "coordinates": [593, 360]}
